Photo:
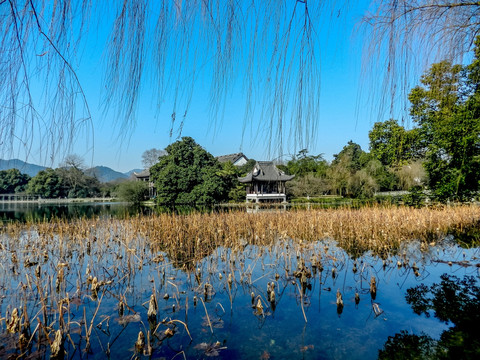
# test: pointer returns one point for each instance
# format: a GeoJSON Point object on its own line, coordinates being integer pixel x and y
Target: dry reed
{"type": "Point", "coordinates": [58, 263]}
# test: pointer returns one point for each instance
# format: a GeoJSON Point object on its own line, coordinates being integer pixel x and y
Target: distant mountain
{"type": "Point", "coordinates": [105, 174]}
{"type": "Point", "coordinates": [130, 173]}
{"type": "Point", "coordinates": [22, 166]}
{"type": "Point", "coordinates": [102, 173]}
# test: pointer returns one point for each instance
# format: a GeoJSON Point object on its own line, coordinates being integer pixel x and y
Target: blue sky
{"type": "Point", "coordinates": [343, 114]}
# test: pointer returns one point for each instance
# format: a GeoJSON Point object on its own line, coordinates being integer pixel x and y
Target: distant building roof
{"type": "Point", "coordinates": [142, 174]}
{"type": "Point", "coordinates": [233, 158]}
{"type": "Point", "coordinates": [265, 171]}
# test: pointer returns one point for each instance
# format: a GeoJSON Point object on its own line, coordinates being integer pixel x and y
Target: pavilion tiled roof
{"type": "Point", "coordinates": [144, 173]}
{"type": "Point", "coordinates": [265, 171]}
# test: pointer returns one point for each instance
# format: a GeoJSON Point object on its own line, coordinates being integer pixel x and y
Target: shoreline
{"type": "Point", "coordinates": [60, 201]}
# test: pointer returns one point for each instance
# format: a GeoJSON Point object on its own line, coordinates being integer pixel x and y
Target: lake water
{"type": "Point", "coordinates": [210, 308]}
{"type": "Point", "coordinates": [12, 211]}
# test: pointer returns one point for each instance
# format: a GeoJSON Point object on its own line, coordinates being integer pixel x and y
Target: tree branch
{"type": "Point", "coordinates": [57, 51]}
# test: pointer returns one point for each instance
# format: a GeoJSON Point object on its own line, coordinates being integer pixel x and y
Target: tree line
{"type": "Point", "coordinates": [441, 153]}
{"type": "Point", "coordinates": [63, 182]}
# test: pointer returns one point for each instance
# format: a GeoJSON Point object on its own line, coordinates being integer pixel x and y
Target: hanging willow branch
{"type": "Point", "coordinates": [170, 50]}
{"type": "Point", "coordinates": [407, 36]}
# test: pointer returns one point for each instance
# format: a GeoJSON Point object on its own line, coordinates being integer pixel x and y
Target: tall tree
{"type": "Point", "coordinates": [132, 191]}
{"type": "Point", "coordinates": [310, 171]}
{"type": "Point", "coordinates": [71, 171]}
{"type": "Point", "coordinates": [48, 184]}
{"type": "Point", "coordinates": [392, 144]}
{"type": "Point", "coordinates": [447, 110]}
{"type": "Point", "coordinates": [303, 164]}
{"type": "Point", "coordinates": [352, 156]}
{"type": "Point", "coordinates": [188, 174]}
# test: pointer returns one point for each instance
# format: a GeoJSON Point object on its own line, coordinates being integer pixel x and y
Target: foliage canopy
{"type": "Point", "coordinates": [446, 108]}
{"type": "Point", "coordinates": [189, 175]}
{"type": "Point", "coordinates": [13, 181]}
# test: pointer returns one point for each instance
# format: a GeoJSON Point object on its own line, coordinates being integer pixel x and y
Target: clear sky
{"type": "Point", "coordinates": [343, 114]}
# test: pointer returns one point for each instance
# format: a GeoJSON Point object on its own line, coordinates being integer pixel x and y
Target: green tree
{"type": "Point", "coordinates": [303, 164]}
{"type": "Point", "coordinates": [343, 168]}
{"type": "Point", "coordinates": [188, 174]}
{"type": "Point", "coordinates": [310, 174]}
{"type": "Point", "coordinates": [230, 174]}
{"type": "Point", "coordinates": [339, 176]}
{"type": "Point", "coordinates": [352, 156]}
{"type": "Point", "coordinates": [363, 185]}
{"type": "Point", "coordinates": [13, 181]}
{"type": "Point", "coordinates": [132, 191]}
{"type": "Point", "coordinates": [392, 144]}
{"type": "Point", "coordinates": [109, 188]}
{"type": "Point", "coordinates": [447, 109]}
{"type": "Point", "coordinates": [48, 184]}
{"type": "Point", "coordinates": [385, 179]}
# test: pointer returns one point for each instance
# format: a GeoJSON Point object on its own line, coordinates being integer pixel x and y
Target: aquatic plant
{"type": "Point", "coordinates": [78, 286]}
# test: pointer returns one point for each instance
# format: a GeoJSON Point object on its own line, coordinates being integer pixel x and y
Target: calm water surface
{"type": "Point", "coordinates": [11, 211]}
{"type": "Point", "coordinates": [304, 321]}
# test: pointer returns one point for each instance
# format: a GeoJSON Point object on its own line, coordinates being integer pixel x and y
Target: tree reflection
{"type": "Point", "coordinates": [453, 301]}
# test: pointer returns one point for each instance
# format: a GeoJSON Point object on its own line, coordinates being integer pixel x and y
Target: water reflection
{"type": "Point", "coordinates": [22, 212]}
{"type": "Point", "coordinates": [452, 301]}
{"type": "Point", "coordinates": [288, 300]}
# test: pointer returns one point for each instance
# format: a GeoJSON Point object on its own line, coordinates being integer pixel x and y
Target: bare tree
{"type": "Point", "coordinates": [71, 170]}
{"type": "Point", "coordinates": [150, 157]}
{"type": "Point", "coordinates": [407, 36]}
{"type": "Point", "coordinates": [73, 161]}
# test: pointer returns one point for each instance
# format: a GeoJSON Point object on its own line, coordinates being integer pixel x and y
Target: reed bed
{"type": "Point", "coordinates": [66, 281]}
{"type": "Point", "coordinates": [376, 228]}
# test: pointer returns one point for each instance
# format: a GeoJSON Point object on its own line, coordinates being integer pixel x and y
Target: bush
{"type": "Point", "coordinates": [133, 191]}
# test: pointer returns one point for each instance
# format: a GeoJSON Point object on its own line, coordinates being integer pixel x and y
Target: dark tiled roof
{"type": "Point", "coordinates": [265, 171]}
{"type": "Point", "coordinates": [144, 173]}
{"type": "Point", "coordinates": [232, 158]}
